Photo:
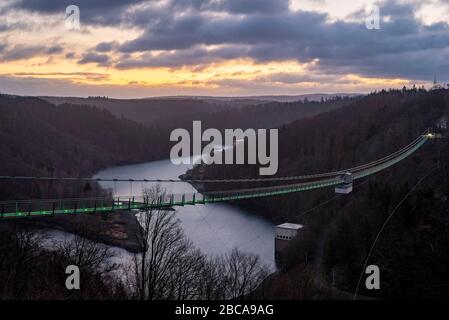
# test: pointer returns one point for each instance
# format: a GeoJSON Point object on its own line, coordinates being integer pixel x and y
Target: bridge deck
{"type": "Point", "coordinates": [40, 207]}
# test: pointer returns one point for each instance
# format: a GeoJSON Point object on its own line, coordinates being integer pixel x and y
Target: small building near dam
{"type": "Point", "coordinates": [284, 234]}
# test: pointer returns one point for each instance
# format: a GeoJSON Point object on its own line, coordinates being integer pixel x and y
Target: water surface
{"type": "Point", "coordinates": [214, 228]}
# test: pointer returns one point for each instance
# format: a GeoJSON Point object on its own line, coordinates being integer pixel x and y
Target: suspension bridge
{"type": "Point", "coordinates": [290, 184]}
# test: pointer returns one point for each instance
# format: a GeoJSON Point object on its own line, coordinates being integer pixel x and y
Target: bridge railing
{"type": "Point", "coordinates": [24, 208]}
{"type": "Point", "coordinates": [44, 207]}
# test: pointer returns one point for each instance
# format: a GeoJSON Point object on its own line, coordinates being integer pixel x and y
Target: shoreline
{"type": "Point", "coordinates": [272, 217]}
{"type": "Point", "coordinates": [116, 229]}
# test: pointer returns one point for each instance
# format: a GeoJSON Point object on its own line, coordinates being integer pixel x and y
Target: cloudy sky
{"type": "Point", "coordinates": [141, 48]}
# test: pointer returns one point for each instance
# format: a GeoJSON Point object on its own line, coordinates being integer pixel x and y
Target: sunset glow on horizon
{"type": "Point", "coordinates": [138, 48]}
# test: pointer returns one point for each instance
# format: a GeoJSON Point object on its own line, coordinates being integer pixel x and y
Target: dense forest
{"type": "Point", "coordinates": [168, 114]}
{"type": "Point", "coordinates": [155, 112]}
{"type": "Point", "coordinates": [413, 250]}
{"type": "Point", "coordinates": [82, 135]}
{"type": "Point", "coordinates": [41, 139]}
{"type": "Point", "coordinates": [75, 137]}
{"type": "Point", "coordinates": [167, 266]}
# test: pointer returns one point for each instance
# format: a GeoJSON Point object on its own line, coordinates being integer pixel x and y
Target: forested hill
{"type": "Point", "coordinates": [413, 250]}
{"type": "Point", "coordinates": [271, 114]}
{"type": "Point", "coordinates": [38, 138]}
{"type": "Point", "coordinates": [366, 129]}
{"type": "Point", "coordinates": [169, 114]}
{"type": "Point", "coordinates": [154, 112]}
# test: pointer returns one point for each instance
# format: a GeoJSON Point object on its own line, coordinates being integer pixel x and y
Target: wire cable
{"type": "Point", "coordinates": [384, 225]}
{"type": "Point", "coordinates": [411, 145]}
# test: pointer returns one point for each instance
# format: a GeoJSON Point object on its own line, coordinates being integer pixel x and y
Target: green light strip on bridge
{"type": "Point", "coordinates": [205, 200]}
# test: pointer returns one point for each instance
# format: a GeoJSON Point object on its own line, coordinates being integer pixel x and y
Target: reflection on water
{"type": "Point", "coordinates": [214, 228]}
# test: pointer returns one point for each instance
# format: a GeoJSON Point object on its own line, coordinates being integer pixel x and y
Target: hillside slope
{"type": "Point", "coordinates": [413, 251]}
{"type": "Point", "coordinates": [38, 138]}
{"type": "Point", "coordinates": [171, 113]}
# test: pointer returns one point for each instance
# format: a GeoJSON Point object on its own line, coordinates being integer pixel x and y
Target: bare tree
{"type": "Point", "coordinates": [93, 257]}
{"type": "Point", "coordinates": [231, 276]}
{"type": "Point", "coordinates": [212, 279]}
{"type": "Point", "coordinates": [17, 257]}
{"type": "Point", "coordinates": [169, 267]}
{"type": "Point", "coordinates": [29, 269]}
{"type": "Point", "coordinates": [94, 261]}
{"type": "Point", "coordinates": [184, 282]}
{"type": "Point", "coordinates": [165, 253]}
{"type": "Point", "coordinates": [243, 273]}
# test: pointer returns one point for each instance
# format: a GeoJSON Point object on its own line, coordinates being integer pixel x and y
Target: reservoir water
{"type": "Point", "coordinates": [213, 228]}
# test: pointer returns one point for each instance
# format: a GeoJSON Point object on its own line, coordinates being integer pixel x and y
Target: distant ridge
{"type": "Point", "coordinates": [268, 98]}
{"type": "Point", "coordinates": [213, 101]}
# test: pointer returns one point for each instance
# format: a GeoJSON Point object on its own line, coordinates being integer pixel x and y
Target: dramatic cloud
{"type": "Point", "coordinates": [55, 49]}
{"type": "Point", "coordinates": [106, 46]}
{"type": "Point", "coordinates": [252, 45]}
{"type": "Point", "coordinates": [93, 11]}
{"type": "Point", "coordinates": [94, 58]}
{"type": "Point", "coordinates": [189, 57]}
{"type": "Point", "coordinates": [299, 35]}
{"type": "Point", "coordinates": [21, 52]}
{"type": "Point", "coordinates": [250, 6]}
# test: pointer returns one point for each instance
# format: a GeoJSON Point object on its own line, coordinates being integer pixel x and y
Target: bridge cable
{"type": "Point", "coordinates": [385, 224]}
{"type": "Point", "coordinates": [286, 178]}
{"type": "Point", "coordinates": [313, 208]}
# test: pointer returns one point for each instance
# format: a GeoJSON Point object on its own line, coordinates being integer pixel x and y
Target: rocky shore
{"type": "Point", "coordinates": [116, 229]}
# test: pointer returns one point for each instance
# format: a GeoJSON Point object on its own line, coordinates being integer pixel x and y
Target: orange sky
{"type": "Point", "coordinates": [61, 73]}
